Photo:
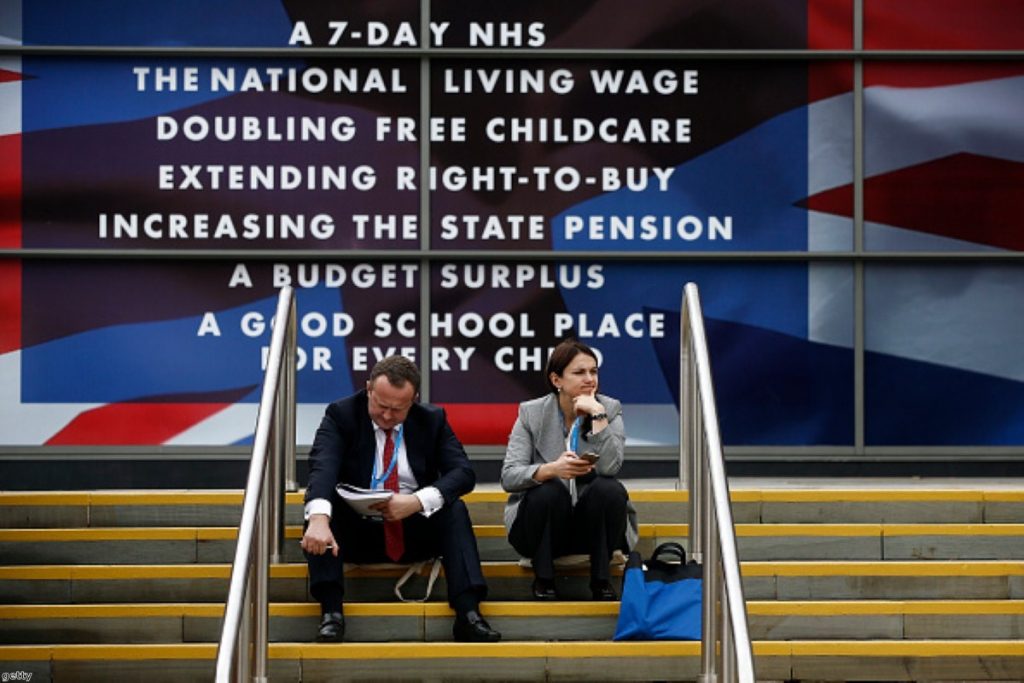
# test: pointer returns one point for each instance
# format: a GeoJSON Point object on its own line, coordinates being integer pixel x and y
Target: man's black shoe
{"type": "Point", "coordinates": [332, 628]}
{"type": "Point", "coordinates": [473, 628]}
{"type": "Point", "coordinates": [544, 589]}
{"type": "Point", "coordinates": [603, 591]}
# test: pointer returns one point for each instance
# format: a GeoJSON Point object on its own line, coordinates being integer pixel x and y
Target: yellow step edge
{"type": "Point", "coordinates": [100, 534]}
{"type": "Point", "coordinates": [111, 611]}
{"type": "Point", "coordinates": [810, 530]}
{"type": "Point", "coordinates": [139, 571]}
{"type": "Point", "coordinates": [166, 498]}
{"type": "Point", "coordinates": [234, 497]}
{"type": "Point", "coordinates": [954, 529]}
{"type": "Point", "coordinates": [839, 495]}
{"type": "Point", "coordinates": [41, 498]}
{"type": "Point", "coordinates": [1004, 496]}
{"type": "Point", "coordinates": [878, 607]}
{"type": "Point", "coordinates": [508, 650]}
{"type": "Point", "coordinates": [497, 569]}
{"type": "Point", "coordinates": [517, 650]}
{"type": "Point", "coordinates": [904, 648]}
{"type": "Point", "coordinates": [296, 609]}
{"type": "Point", "coordinates": [758, 530]}
{"type": "Point", "coordinates": [823, 608]}
{"type": "Point", "coordinates": [883, 568]}
{"type": "Point", "coordinates": [661, 496]}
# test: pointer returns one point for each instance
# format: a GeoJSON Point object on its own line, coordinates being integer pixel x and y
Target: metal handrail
{"type": "Point", "coordinates": [242, 652]}
{"type": "Point", "coordinates": [726, 652]}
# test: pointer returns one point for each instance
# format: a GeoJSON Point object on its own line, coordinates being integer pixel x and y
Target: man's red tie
{"type": "Point", "coordinates": [394, 541]}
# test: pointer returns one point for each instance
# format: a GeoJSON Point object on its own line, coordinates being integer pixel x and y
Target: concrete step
{"type": "Point", "coordinates": [866, 582]}
{"type": "Point", "coordinates": [781, 580]}
{"type": "Point", "coordinates": [764, 541]}
{"type": "Point", "coordinates": [869, 660]}
{"type": "Point", "coordinates": [750, 505]}
{"type": "Point", "coordinates": [564, 621]}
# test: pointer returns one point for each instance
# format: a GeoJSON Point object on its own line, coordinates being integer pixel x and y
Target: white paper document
{"type": "Point", "coordinates": [361, 499]}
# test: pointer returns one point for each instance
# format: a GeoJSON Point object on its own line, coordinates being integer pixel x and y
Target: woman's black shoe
{"type": "Point", "coordinates": [603, 591]}
{"type": "Point", "coordinates": [544, 589]}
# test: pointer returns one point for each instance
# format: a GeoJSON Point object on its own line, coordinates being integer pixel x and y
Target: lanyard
{"type": "Point", "coordinates": [574, 434]}
{"type": "Point", "coordinates": [376, 481]}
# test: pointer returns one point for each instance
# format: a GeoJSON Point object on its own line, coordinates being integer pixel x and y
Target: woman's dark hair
{"type": "Point", "coordinates": [562, 355]}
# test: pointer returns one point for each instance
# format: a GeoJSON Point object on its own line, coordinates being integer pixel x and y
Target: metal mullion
{"type": "Point", "coordinates": [424, 206]}
{"type": "Point", "coordinates": [858, 231]}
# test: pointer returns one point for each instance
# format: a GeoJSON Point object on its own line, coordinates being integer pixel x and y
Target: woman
{"type": "Point", "coordinates": [564, 502]}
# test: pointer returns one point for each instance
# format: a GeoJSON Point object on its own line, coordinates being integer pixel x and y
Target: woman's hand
{"type": "Point", "coordinates": [568, 466]}
{"type": "Point", "coordinates": [587, 404]}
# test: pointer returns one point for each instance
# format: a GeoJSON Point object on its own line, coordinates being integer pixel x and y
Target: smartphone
{"type": "Point", "coordinates": [590, 456]}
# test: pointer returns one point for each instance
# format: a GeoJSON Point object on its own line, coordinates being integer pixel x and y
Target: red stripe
{"type": "Point", "coordinates": [829, 24]}
{"type": "Point", "coordinates": [829, 27]}
{"type": "Point", "coordinates": [481, 424]}
{"type": "Point", "coordinates": [7, 76]}
{"type": "Point", "coordinates": [10, 191]}
{"type": "Point", "coordinates": [133, 424]}
{"type": "Point", "coordinates": [941, 25]}
{"type": "Point", "coordinates": [10, 305]}
{"type": "Point", "coordinates": [963, 196]}
{"type": "Point", "coordinates": [944, 25]}
{"type": "Point", "coordinates": [10, 238]}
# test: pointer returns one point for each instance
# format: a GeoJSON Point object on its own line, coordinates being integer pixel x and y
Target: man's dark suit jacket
{"type": "Point", "coordinates": [345, 447]}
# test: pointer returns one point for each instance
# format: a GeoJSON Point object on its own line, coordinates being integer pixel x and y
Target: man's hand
{"type": "Point", "coordinates": [318, 538]}
{"type": "Point", "coordinates": [398, 506]}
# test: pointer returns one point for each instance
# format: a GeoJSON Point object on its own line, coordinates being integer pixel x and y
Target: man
{"type": "Point", "coordinates": [382, 438]}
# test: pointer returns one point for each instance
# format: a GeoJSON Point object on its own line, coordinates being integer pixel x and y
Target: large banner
{"type": "Point", "coordinates": [310, 166]}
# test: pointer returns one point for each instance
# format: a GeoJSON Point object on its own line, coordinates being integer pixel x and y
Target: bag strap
{"type": "Point", "coordinates": [410, 572]}
{"type": "Point", "coordinates": [670, 548]}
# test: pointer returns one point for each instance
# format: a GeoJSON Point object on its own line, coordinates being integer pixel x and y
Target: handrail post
{"type": "Point", "coordinates": [242, 649]}
{"type": "Point", "coordinates": [288, 400]}
{"type": "Point", "coordinates": [686, 411]}
{"type": "Point", "coordinates": [726, 652]}
{"type": "Point", "coordinates": [711, 633]}
{"type": "Point", "coordinates": [274, 490]}
{"type": "Point", "coordinates": [689, 430]}
{"type": "Point", "coordinates": [265, 534]}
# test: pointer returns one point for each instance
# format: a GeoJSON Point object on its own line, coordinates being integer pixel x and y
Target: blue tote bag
{"type": "Point", "coordinates": [662, 599]}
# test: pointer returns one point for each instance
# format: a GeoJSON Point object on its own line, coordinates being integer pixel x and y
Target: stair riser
{"type": "Point", "coordinates": [15, 516]}
{"type": "Point", "coordinates": [380, 589]}
{"type": "Point", "coordinates": [497, 548]}
{"type": "Point", "coordinates": [200, 629]}
{"type": "Point", "coordinates": [640, 668]}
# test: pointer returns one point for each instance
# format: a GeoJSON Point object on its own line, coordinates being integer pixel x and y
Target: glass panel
{"type": "Point", "coordinates": [586, 24]}
{"type": "Point", "coordinates": [689, 157]}
{"type": "Point", "coordinates": [225, 23]}
{"type": "Point", "coordinates": [184, 342]}
{"type": "Point", "coordinates": [217, 155]}
{"type": "Point", "coordinates": [944, 25]}
{"type": "Point", "coordinates": [943, 151]}
{"type": "Point", "coordinates": [780, 338]}
{"type": "Point", "coordinates": [944, 363]}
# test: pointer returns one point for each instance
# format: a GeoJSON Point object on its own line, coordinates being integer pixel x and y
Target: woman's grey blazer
{"type": "Point", "coordinates": [538, 436]}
